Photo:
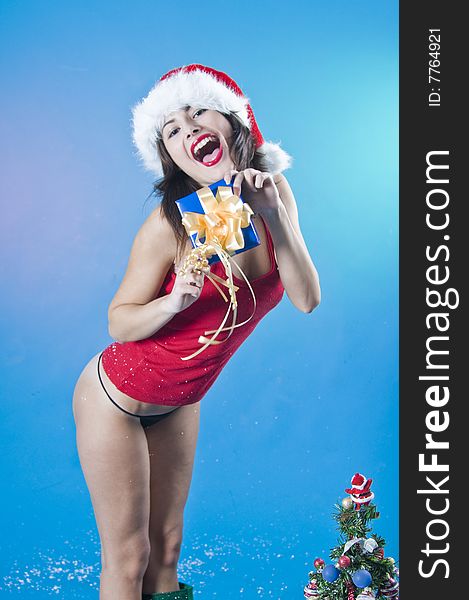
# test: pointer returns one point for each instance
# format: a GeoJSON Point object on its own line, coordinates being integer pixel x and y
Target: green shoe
{"type": "Point", "coordinates": [184, 593]}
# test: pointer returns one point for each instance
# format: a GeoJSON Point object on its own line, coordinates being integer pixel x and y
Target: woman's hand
{"type": "Point", "coordinates": [257, 188]}
{"type": "Point", "coordinates": [187, 288]}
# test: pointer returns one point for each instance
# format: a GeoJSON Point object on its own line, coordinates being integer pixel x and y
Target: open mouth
{"type": "Point", "coordinates": [207, 149]}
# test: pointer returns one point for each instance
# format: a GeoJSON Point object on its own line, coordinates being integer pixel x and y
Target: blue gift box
{"type": "Point", "coordinates": [191, 203]}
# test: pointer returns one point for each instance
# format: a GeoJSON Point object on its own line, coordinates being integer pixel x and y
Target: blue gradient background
{"type": "Point", "coordinates": [272, 460]}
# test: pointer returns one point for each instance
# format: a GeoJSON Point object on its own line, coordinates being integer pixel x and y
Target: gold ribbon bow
{"type": "Point", "coordinates": [222, 220]}
{"type": "Point", "coordinates": [224, 216]}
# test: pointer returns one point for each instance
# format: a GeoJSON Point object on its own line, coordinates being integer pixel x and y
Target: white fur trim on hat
{"type": "Point", "coordinates": [198, 89]}
{"type": "Point", "coordinates": [275, 157]}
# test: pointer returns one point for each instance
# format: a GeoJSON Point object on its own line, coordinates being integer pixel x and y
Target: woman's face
{"type": "Point", "coordinates": [198, 140]}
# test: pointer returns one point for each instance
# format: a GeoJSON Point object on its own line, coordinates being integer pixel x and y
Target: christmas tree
{"type": "Point", "coordinates": [359, 569]}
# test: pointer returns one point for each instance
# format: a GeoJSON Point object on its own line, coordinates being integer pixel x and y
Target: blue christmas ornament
{"type": "Point", "coordinates": [331, 573]}
{"type": "Point", "coordinates": [361, 578]}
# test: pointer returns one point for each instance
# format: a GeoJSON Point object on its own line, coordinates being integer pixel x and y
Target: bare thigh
{"type": "Point", "coordinates": [172, 445]}
{"type": "Point", "coordinates": [138, 479]}
{"type": "Point", "coordinates": [114, 457]}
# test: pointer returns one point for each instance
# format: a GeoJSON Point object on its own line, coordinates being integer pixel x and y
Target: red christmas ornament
{"type": "Point", "coordinates": [379, 552]}
{"type": "Point", "coordinates": [319, 563]}
{"type": "Point", "coordinates": [344, 561]}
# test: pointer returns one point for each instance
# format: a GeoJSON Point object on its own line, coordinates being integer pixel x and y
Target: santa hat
{"type": "Point", "coordinates": [204, 87]}
{"type": "Point", "coordinates": [360, 484]}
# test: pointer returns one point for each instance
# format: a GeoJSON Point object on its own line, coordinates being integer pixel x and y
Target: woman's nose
{"type": "Point", "coordinates": [192, 131]}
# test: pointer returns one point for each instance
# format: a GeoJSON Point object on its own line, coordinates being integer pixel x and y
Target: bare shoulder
{"type": "Point", "coordinates": [152, 254]}
{"type": "Point", "coordinates": [157, 227]}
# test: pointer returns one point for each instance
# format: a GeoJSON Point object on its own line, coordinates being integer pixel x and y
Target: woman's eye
{"type": "Point", "coordinates": [201, 110]}
{"type": "Point", "coordinates": [173, 132]}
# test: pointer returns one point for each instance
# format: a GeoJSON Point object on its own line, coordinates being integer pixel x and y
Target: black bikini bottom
{"type": "Point", "coordinates": [146, 420]}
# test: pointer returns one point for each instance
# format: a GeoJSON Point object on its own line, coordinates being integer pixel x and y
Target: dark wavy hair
{"type": "Point", "coordinates": [176, 184]}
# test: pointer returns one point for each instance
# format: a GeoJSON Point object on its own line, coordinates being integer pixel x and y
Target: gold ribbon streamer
{"type": "Point", "coordinates": [224, 216]}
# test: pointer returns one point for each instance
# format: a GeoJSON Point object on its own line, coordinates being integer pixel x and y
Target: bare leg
{"type": "Point", "coordinates": [113, 453]}
{"type": "Point", "coordinates": [171, 445]}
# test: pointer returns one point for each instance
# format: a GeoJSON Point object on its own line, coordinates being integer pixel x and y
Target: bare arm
{"type": "Point", "coordinates": [297, 270]}
{"type": "Point", "coordinates": [132, 322]}
{"type": "Point", "coordinates": [135, 313]}
{"type": "Point", "coordinates": [273, 198]}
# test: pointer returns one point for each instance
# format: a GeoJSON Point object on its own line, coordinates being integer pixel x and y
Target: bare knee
{"type": "Point", "coordinates": [166, 546]}
{"type": "Point", "coordinates": [128, 560]}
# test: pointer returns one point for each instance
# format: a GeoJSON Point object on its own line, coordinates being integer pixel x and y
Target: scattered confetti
{"type": "Point", "coordinates": [207, 563]}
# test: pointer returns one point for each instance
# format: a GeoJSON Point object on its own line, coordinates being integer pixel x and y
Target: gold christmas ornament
{"type": "Point", "coordinates": [347, 503]}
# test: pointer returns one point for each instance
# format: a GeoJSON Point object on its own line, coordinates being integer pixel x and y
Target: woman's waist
{"type": "Point", "coordinates": [184, 342]}
{"type": "Point", "coordinates": [136, 381]}
{"type": "Point", "coordinates": [168, 346]}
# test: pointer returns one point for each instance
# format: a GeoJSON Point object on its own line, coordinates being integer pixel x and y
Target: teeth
{"type": "Point", "coordinates": [202, 143]}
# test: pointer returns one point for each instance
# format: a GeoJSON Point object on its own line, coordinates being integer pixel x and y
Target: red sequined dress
{"type": "Point", "coordinates": [152, 371]}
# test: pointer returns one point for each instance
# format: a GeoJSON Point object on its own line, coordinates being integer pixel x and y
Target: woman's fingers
{"type": "Point", "coordinates": [196, 283]}
{"type": "Point", "coordinates": [194, 276]}
{"type": "Point", "coordinates": [237, 183]}
{"type": "Point", "coordinates": [193, 290]}
{"type": "Point", "coordinates": [229, 175]}
{"type": "Point", "coordinates": [249, 175]}
{"type": "Point", "coordinates": [188, 285]}
{"type": "Point", "coordinates": [261, 179]}
{"type": "Point", "coordinates": [252, 178]}
{"type": "Point", "coordinates": [193, 283]}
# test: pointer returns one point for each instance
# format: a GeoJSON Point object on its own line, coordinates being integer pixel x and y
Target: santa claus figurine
{"type": "Point", "coordinates": [360, 492]}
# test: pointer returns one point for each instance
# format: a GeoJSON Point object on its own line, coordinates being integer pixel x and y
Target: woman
{"type": "Point", "coordinates": [136, 404]}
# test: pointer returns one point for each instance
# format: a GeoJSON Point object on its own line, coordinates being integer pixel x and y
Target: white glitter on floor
{"type": "Point", "coordinates": [50, 572]}
{"type": "Point", "coordinates": [207, 564]}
